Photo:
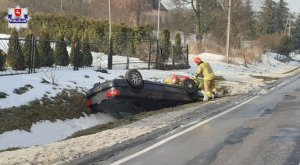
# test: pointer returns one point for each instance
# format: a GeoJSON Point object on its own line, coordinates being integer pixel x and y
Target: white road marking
{"type": "Point", "coordinates": [281, 84]}
{"type": "Point", "coordinates": [179, 133]}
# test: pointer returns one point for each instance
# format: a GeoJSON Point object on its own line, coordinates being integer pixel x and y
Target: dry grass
{"type": "Point", "coordinates": [270, 41]}
{"type": "Point", "coordinates": [195, 47]}
{"type": "Point", "coordinates": [66, 105]}
{"type": "Point", "coordinates": [206, 46]}
{"type": "Point", "coordinates": [249, 54]}
{"type": "Point", "coordinates": [266, 78]}
{"type": "Point", "coordinates": [252, 55]}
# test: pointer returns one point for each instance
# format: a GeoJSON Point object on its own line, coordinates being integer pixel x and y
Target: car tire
{"type": "Point", "coordinates": [190, 86]}
{"type": "Point", "coordinates": [134, 78]}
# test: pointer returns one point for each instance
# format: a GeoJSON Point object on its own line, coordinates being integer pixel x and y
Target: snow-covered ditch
{"type": "Point", "coordinates": [46, 132]}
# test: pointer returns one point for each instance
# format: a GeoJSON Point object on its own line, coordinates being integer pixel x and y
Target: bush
{"type": "Point", "coordinates": [76, 55]}
{"type": "Point", "coordinates": [177, 54]}
{"type": "Point", "coordinates": [37, 57]}
{"type": "Point", "coordinates": [165, 43]}
{"type": "Point", "coordinates": [270, 41]}
{"type": "Point", "coordinates": [61, 56]}
{"type": "Point", "coordinates": [143, 31]}
{"type": "Point", "coordinates": [15, 57]}
{"type": "Point", "coordinates": [253, 54]}
{"type": "Point", "coordinates": [86, 51]}
{"type": "Point", "coordinates": [27, 49]}
{"type": "Point", "coordinates": [98, 32]}
{"type": "Point", "coordinates": [285, 46]}
{"type": "Point", "coordinates": [121, 34]}
{"type": "Point", "coordinates": [45, 50]}
{"type": "Point", "coordinates": [70, 25]}
{"type": "Point", "coordinates": [2, 60]}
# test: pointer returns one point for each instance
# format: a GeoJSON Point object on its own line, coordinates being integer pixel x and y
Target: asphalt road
{"type": "Point", "coordinates": [263, 130]}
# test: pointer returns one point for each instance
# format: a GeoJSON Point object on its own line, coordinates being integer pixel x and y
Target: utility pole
{"type": "Point", "coordinates": [288, 26]}
{"type": "Point", "coordinates": [228, 31]}
{"type": "Point", "coordinates": [61, 6]}
{"type": "Point", "coordinates": [158, 20]}
{"type": "Point", "coordinates": [110, 58]}
{"type": "Point", "coordinates": [109, 10]}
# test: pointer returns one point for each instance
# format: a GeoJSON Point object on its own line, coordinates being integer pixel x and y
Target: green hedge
{"type": "Point", "coordinates": [70, 25]}
{"type": "Point", "coordinates": [15, 56]}
{"type": "Point", "coordinates": [126, 39]}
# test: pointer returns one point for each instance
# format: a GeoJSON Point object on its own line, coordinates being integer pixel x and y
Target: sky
{"type": "Point", "coordinates": [294, 5]}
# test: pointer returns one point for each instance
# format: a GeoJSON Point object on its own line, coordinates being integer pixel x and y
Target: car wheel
{"type": "Point", "coordinates": [190, 86]}
{"type": "Point", "coordinates": [134, 78]}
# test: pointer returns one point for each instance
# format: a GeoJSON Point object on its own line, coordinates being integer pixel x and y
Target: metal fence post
{"type": "Point", "coordinates": [127, 50]}
{"type": "Point", "coordinates": [110, 58]}
{"type": "Point", "coordinates": [127, 61]}
{"type": "Point", "coordinates": [34, 54]}
{"type": "Point", "coordinates": [31, 55]}
{"type": "Point", "coordinates": [173, 56]}
{"type": "Point", "coordinates": [149, 55]}
{"type": "Point", "coordinates": [73, 45]}
{"type": "Point", "coordinates": [157, 55]}
{"type": "Point", "coordinates": [75, 54]}
{"type": "Point", "coordinates": [187, 55]}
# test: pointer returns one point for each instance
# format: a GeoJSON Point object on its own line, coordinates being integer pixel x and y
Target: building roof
{"type": "Point", "coordinates": [154, 4]}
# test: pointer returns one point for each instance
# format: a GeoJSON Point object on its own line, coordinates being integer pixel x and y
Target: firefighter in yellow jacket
{"type": "Point", "coordinates": [204, 70]}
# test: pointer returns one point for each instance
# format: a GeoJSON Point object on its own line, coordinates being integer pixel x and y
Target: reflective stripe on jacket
{"type": "Point", "coordinates": [205, 71]}
{"type": "Point", "coordinates": [168, 81]}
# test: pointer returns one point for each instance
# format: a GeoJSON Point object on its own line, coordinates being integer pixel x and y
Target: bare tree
{"type": "Point", "coordinates": [203, 13]}
{"type": "Point", "coordinates": [73, 7]}
{"type": "Point", "coordinates": [139, 7]}
{"type": "Point", "coordinates": [181, 19]}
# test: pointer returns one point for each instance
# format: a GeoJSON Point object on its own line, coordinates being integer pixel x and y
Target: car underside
{"type": "Point", "coordinates": [132, 95]}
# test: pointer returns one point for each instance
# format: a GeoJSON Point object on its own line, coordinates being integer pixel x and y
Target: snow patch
{"type": "Point", "coordinates": [46, 132]}
{"type": "Point", "coordinates": [3, 42]}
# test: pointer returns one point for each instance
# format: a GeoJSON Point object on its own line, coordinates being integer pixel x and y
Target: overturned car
{"type": "Point", "coordinates": [131, 95]}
